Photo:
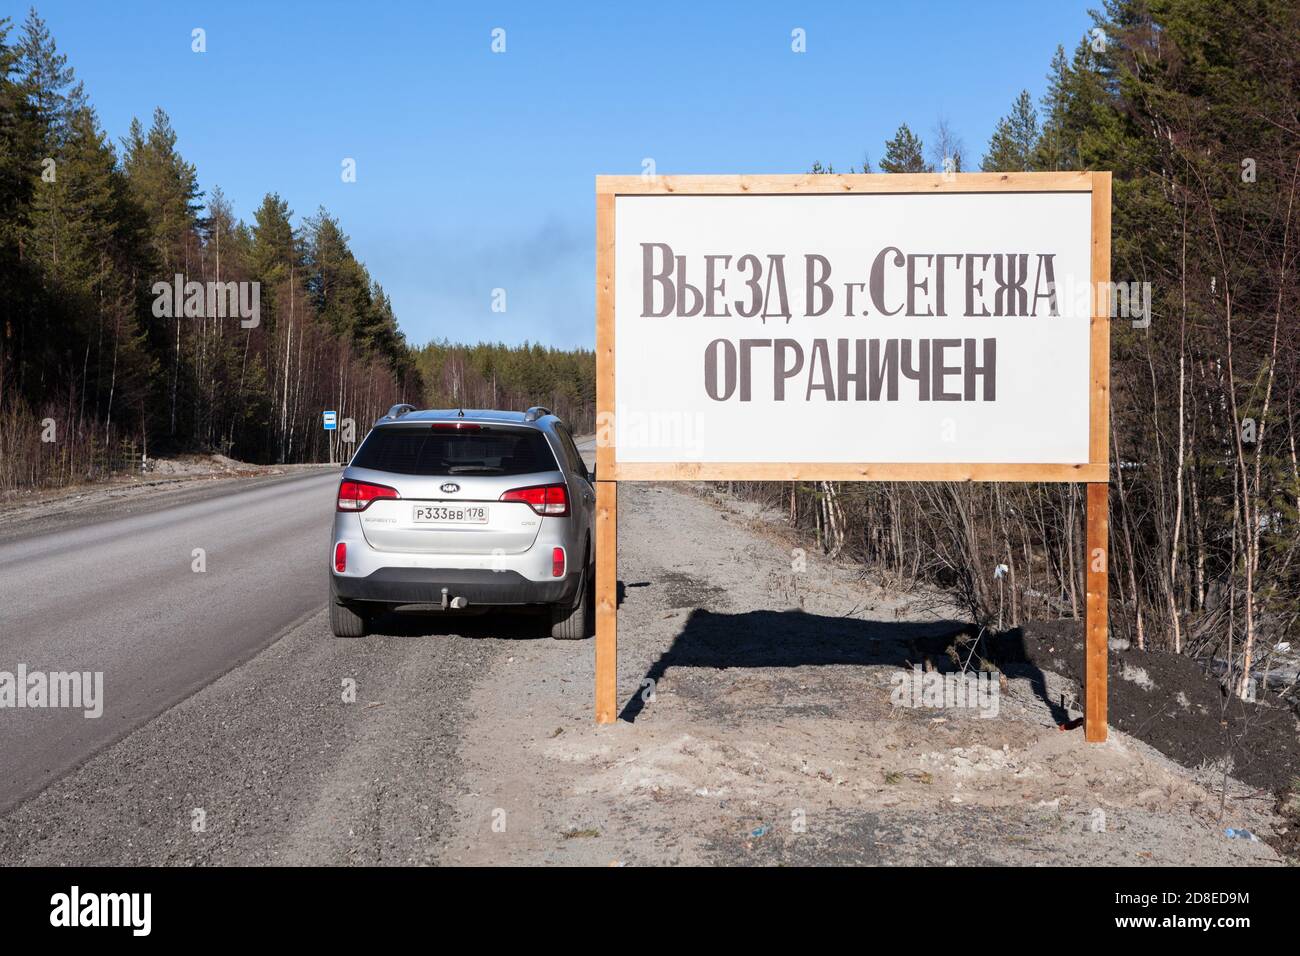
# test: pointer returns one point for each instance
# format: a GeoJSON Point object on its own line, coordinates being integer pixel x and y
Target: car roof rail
{"type": "Point", "coordinates": [397, 411]}
{"type": "Point", "coordinates": [536, 412]}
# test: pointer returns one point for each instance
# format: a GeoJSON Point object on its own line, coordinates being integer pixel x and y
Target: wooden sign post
{"type": "Point", "coordinates": [896, 327]}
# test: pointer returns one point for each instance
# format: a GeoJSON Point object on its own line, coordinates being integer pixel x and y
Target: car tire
{"type": "Point", "coordinates": [570, 623]}
{"type": "Point", "coordinates": [344, 621]}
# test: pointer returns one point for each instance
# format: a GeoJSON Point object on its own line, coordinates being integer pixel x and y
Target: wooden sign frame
{"type": "Point", "coordinates": [1095, 472]}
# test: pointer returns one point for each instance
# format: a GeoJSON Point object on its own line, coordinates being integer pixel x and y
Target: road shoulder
{"type": "Point", "coordinates": [769, 735]}
{"type": "Point", "coordinates": [36, 513]}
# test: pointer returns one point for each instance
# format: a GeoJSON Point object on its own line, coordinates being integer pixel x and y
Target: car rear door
{"type": "Point", "coordinates": [450, 477]}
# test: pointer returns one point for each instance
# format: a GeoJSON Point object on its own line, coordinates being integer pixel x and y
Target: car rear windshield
{"type": "Point", "coordinates": [421, 450]}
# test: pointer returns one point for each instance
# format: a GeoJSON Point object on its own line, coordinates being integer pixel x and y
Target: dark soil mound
{"type": "Point", "coordinates": [1167, 700]}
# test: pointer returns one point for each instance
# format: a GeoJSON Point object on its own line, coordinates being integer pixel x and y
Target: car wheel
{"type": "Point", "coordinates": [570, 623]}
{"type": "Point", "coordinates": [344, 621]}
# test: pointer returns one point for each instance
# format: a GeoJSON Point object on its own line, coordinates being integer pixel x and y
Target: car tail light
{"type": "Point", "coordinates": [456, 427]}
{"type": "Point", "coordinates": [557, 562]}
{"type": "Point", "coordinates": [544, 499]}
{"type": "Point", "coordinates": [340, 557]}
{"type": "Point", "coordinates": [357, 495]}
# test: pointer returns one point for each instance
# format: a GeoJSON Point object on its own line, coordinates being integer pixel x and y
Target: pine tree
{"type": "Point", "coordinates": [339, 290]}
{"type": "Point", "coordinates": [275, 251]}
{"type": "Point", "coordinates": [22, 136]}
{"type": "Point", "coordinates": [1013, 145]}
{"type": "Point", "coordinates": [1052, 153]}
{"type": "Point", "coordinates": [21, 131]}
{"type": "Point", "coordinates": [50, 85]}
{"type": "Point", "coordinates": [904, 153]}
{"type": "Point", "coordinates": [166, 187]}
{"type": "Point", "coordinates": [52, 97]}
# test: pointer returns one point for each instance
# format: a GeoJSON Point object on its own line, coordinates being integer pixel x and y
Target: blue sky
{"type": "Point", "coordinates": [476, 170]}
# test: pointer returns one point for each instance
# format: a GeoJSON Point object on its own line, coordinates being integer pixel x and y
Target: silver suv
{"type": "Point", "coordinates": [463, 509]}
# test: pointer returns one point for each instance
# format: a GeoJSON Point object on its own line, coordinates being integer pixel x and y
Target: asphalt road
{"type": "Point", "coordinates": [121, 596]}
{"type": "Point", "coordinates": [118, 593]}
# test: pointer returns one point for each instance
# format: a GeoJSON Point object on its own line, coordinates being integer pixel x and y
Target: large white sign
{"type": "Point", "coordinates": [894, 328]}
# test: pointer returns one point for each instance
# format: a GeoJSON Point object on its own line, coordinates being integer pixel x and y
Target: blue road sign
{"type": "Point", "coordinates": [331, 420]}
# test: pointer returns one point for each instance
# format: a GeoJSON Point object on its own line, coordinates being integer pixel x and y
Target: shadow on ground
{"type": "Point", "coordinates": [505, 625]}
{"type": "Point", "coordinates": [795, 638]}
{"type": "Point", "coordinates": [511, 624]}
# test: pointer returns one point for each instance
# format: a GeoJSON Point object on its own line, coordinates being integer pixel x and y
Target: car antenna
{"type": "Point", "coordinates": [460, 413]}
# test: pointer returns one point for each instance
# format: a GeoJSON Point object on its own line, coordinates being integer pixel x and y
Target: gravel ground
{"type": "Point", "coordinates": [771, 737]}
{"type": "Point", "coordinates": [768, 736]}
{"type": "Point", "coordinates": [283, 769]}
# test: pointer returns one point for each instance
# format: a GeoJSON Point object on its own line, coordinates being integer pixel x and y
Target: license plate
{"type": "Point", "coordinates": [450, 514]}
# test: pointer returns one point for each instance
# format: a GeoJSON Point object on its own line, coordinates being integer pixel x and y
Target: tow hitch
{"type": "Point", "coordinates": [454, 603]}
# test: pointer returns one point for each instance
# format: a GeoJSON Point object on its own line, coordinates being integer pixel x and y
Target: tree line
{"type": "Point", "coordinates": [1193, 104]}
{"type": "Point", "coordinates": [1188, 102]}
{"type": "Point", "coordinates": [500, 376]}
{"type": "Point", "coordinates": [96, 358]}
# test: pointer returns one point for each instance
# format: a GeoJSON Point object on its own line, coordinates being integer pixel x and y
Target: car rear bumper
{"type": "Point", "coordinates": [478, 586]}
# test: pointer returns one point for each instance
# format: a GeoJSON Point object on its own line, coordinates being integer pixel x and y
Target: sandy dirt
{"type": "Point", "coordinates": [770, 736]}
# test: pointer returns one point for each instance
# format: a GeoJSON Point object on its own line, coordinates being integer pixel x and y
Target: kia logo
{"type": "Point", "coordinates": [451, 487]}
